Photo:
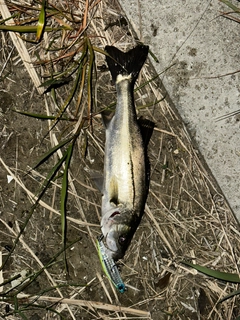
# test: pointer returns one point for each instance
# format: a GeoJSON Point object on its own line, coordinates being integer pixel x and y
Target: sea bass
{"type": "Point", "coordinates": [125, 181]}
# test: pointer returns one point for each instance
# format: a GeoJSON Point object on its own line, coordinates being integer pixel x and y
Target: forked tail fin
{"type": "Point", "coordinates": [121, 63]}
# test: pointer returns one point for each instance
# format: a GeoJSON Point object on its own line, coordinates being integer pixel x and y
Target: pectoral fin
{"type": "Point", "coordinates": [97, 178]}
{"type": "Point", "coordinates": [113, 191]}
{"type": "Point", "coordinates": [107, 117]}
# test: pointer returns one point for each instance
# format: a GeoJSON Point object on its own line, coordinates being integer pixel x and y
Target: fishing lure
{"type": "Point", "coordinates": [109, 266]}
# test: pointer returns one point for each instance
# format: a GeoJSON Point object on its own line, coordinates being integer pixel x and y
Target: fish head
{"type": "Point", "coordinates": [117, 240]}
{"type": "Point", "coordinates": [118, 231]}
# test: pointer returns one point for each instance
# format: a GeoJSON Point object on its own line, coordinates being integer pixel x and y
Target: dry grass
{"type": "Point", "coordinates": [186, 216]}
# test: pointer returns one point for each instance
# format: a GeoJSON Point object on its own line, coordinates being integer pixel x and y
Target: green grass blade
{"type": "Point", "coordinates": [150, 52]}
{"type": "Point", "coordinates": [151, 104]}
{"type": "Point", "coordinates": [89, 78]}
{"type": "Point", "coordinates": [26, 308]}
{"type": "Point", "coordinates": [41, 21]}
{"type": "Point", "coordinates": [82, 62]}
{"type": "Point", "coordinates": [231, 6]}
{"type": "Point", "coordinates": [100, 51]}
{"type": "Point", "coordinates": [224, 276]}
{"type": "Point", "coordinates": [64, 195]}
{"type": "Point", "coordinates": [231, 295]}
{"type": "Point", "coordinates": [15, 303]}
{"type": "Point", "coordinates": [154, 77]}
{"type": "Point", "coordinates": [51, 175]}
{"type": "Point", "coordinates": [55, 83]}
{"type": "Point", "coordinates": [50, 152]}
{"type": "Point", "coordinates": [154, 56]}
{"type": "Point", "coordinates": [15, 15]}
{"type": "Point", "coordinates": [41, 116]}
{"type": "Point", "coordinates": [63, 210]}
{"type": "Point", "coordinates": [10, 280]}
{"type": "Point", "coordinates": [19, 29]}
{"type": "Point", "coordinates": [21, 315]}
{"type": "Point", "coordinates": [28, 29]}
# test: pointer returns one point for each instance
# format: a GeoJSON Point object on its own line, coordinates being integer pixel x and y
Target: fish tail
{"type": "Point", "coordinates": [126, 63]}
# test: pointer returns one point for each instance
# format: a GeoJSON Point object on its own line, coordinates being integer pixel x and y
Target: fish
{"type": "Point", "coordinates": [126, 175]}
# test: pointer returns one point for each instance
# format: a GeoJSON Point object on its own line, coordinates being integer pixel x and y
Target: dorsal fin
{"type": "Point", "coordinates": [146, 128]}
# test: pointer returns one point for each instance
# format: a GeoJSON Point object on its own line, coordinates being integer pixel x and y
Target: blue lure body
{"type": "Point", "coordinates": [109, 266]}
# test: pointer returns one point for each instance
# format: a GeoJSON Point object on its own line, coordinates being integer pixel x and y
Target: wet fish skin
{"type": "Point", "coordinates": [125, 174]}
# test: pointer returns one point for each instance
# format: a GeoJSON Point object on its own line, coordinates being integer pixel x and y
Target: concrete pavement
{"type": "Point", "coordinates": [201, 45]}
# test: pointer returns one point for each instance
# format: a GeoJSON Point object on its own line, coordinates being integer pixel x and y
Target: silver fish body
{"type": "Point", "coordinates": [125, 174]}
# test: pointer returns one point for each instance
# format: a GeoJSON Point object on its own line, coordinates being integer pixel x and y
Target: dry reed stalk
{"type": "Point", "coordinates": [89, 304]}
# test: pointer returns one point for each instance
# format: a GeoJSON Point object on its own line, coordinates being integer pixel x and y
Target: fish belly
{"type": "Point", "coordinates": [124, 165]}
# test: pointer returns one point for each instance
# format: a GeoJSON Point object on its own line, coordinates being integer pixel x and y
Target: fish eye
{"type": "Point", "coordinates": [122, 240]}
